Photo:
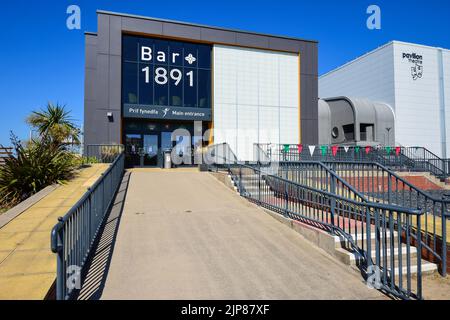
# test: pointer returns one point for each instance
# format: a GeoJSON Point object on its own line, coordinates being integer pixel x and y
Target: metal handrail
{"type": "Point", "coordinates": [397, 190]}
{"type": "Point", "coordinates": [303, 202]}
{"type": "Point", "coordinates": [73, 236]}
{"type": "Point", "coordinates": [410, 158]}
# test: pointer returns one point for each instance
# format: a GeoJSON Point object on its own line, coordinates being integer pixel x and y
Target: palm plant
{"type": "Point", "coordinates": [54, 123]}
{"type": "Point", "coordinates": [44, 160]}
{"type": "Point", "coordinates": [35, 166]}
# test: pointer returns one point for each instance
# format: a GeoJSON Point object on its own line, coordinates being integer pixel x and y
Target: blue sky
{"type": "Point", "coordinates": [41, 60]}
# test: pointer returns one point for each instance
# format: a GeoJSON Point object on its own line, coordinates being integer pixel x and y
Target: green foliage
{"type": "Point", "coordinates": [39, 164]}
{"type": "Point", "coordinates": [89, 160]}
{"type": "Point", "coordinates": [42, 161]}
{"type": "Point", "coordinates": [55, 124]}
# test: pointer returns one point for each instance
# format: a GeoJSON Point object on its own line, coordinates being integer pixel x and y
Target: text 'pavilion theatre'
{"type": "Point", "coordinates": [154, 84]}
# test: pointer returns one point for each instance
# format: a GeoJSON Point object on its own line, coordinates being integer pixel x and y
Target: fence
{"type": "Point", "coordinates": [104, 153]}
{"type": "Point", "coordinates": [74, 234]}
{"type": "Point", "coordinates": [398, 158]}
{"type": "Point", "coordinates": [351, 219]}
{"type": "Point", "coordinates": [5, 152]}
{"type": "Point", "coordinates": [379, 184]}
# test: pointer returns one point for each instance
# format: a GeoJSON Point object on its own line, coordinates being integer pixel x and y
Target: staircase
{"type": "Point", "coordinates": [341, 248]}
{"type": "Point", "coordinates": [399, 255]}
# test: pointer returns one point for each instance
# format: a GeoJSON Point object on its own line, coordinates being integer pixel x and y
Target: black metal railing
{"type": "Point", "coordinates": [379, 184]}
{"type": "Point", "coordinates": [74, 234]}
{"type": "Point", "coordinates": [5, 152]}
{"type": "Point", "coordinates": [396, 158]}
{"type": "Point", "coordinates": [352, 220]}
{"type": "Point", "coordinates": [103, 153]}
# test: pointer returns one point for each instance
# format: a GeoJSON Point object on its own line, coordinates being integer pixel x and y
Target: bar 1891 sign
{"type": "Point", "coordinates": [158, 74]}
{"type": "Point", "coordinates": [161, 73]}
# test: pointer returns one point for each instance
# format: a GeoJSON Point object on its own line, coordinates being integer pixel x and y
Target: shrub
{"type": "Point", "coordinates": [38, 164]}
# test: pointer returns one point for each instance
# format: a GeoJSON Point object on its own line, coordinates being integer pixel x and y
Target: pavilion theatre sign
{"type": "Point", "coordinates": [164, 79]}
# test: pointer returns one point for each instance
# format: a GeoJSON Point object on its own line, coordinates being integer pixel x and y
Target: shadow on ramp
{"type": "Point", "coordinates": [98, 263]}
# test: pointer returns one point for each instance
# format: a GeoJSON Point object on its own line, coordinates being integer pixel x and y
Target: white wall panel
{"type": "Point", "coordinates": [370, 76]}
{"type": "Point", "coordinates": [253, 89]}
{"type": "Point", "coordinates": [288, 129]}
{"type": "Point", "coordinates": [417, 101]}
{"type": "Point", "coordinates": [269, 119]}
{"type": "Point", "coordinates": [446, 74]}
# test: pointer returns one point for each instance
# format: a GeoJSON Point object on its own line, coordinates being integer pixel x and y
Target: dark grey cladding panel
{"type": "Point", "coordinates": [90, 51]}
{"type": "Point", "coordinates": [142, 26]}
{"type": "Point", "coordinates": [90, 39]}
{"type": "Point", "coordinates": [310, 131]}
{"type": "Point", "coordinates": [103, 34]}
{"type": "Point", "coordinates": [115, 82]}
{"type": "Point", "coordinates": [315, 97]}
{"type": "Point", "coordinates": [89, 86]}
{"type": "Point", "coordinates": [115, 128]}
{"type": "Point", "coordinates": [251, 40]}
{"type": "Point", "coordinates": [283, 44]}
{"type": "Point", "coordinates": [102, 83]}
{"type": "Point", "coordinates": [309, 99]}
{"type": "Point", "coordinates": [218, 36]}
{"type": "Point", "coordinates": [181, 31]}
{"type": "Point", "coordinates": [315, 59]}
{"type": "Point", "coordinates": [115, 37]}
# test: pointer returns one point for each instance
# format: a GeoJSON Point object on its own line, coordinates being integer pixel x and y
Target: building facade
{"type": "Point", "coordinates": [355, 122]}
{"type": "Point", "coordinates": [413, 79]}
{"type": "Point", "coordinates": [153, 84]}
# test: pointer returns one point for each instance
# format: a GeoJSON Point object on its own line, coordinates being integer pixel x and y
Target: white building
{"type": "Point", "coordinates": [413, 79]}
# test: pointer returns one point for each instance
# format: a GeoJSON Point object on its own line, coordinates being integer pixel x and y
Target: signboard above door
{"type": "Point", "coordinates": [160, 74]}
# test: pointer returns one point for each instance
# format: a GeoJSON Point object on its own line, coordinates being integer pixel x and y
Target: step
{"type": "Point", "coordinates": [349, 257]}
{"type": "Point", "coordinates": [341, 241]}
{"type": "Point", "coordinates": [427, 268]}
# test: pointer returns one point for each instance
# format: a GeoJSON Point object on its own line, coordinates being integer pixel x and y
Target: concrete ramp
{"type": "Point", "coordinates": [184, 235]}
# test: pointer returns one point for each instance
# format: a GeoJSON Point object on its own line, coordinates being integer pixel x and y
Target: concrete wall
{"type": "Point", "coordinates": [103, 72]}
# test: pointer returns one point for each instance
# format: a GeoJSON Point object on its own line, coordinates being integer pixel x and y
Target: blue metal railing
{"type": "Point", "coordinates": [74, 234]}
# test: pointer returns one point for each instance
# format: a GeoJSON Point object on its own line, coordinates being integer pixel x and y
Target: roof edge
{"type": "Point", "coordinates": [112, 13]}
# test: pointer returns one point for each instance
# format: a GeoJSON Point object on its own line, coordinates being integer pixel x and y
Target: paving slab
{"type": "Point", "coordinates": [27, 265]}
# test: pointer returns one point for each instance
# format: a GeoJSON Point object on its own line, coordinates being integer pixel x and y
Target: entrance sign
{"type": "Point", "coordinates": [171, 113]}
{"type": "Point", "coordinates": [158, 74]}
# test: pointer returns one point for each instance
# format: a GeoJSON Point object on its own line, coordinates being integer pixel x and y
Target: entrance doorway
{"type": "Point", "coordinates": [145, 142]}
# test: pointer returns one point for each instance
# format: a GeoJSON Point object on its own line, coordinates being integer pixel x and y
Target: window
{"type": "Point", "coordinates": [366, 131]}
{"type": "Point", "coordinates": [335, 133]}
{"type": "Point", "coordinates": [159, 72]}
{"type": "Point", "coordinates": [349, 132]}
{"type": "Point", "coordinates": [129, 87]}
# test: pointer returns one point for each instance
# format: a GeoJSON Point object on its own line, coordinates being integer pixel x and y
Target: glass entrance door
{"type": "Point", "coordinates": [150, 150]}
{"type": "Point", "coordinates": [133, 145]}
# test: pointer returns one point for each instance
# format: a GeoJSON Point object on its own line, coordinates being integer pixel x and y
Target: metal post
{"type": "Point", "coordinates": [444, 238]}
{"type": "Point", "coordinates": [60, 272]}
{"type": "Point", "coordinates": [333, 201]}
{"type": "Point", "coordinates": [419, 258]}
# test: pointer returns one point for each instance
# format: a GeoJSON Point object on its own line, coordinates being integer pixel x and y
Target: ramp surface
{"type": "Point", "coordinates": [184, 235]}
